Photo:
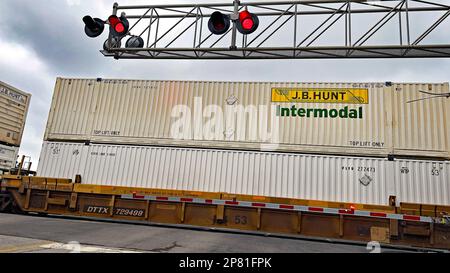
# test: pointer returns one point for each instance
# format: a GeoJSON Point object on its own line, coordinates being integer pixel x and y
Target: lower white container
{"type": "Point", "coordinates": [8, 157]}
{"type": "Point", "coordinates": [313, 177]}
{"type": "Point", "coordinates": [424, 182]}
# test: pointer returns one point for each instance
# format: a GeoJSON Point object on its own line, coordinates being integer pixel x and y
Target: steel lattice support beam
{"type": "Point", "coordinates": [305, 30]}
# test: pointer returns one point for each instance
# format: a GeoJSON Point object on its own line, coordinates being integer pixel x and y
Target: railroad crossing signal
{"type": "Point", "coordinates": [93, 27]}
{"type": "Point", "coordinates": [118, 29]}
{"type": "Point", "coordinates": [118, 26]}
{"type": "Point", "coordinates": [290, 29]}
{"type": "Point", "coordinates": [219, 23]}
{"type": "Point", "coordinates": [248, 22]}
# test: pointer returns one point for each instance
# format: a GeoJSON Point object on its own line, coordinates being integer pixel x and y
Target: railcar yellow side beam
{"type": "Point", "coordinates": [408, 225]}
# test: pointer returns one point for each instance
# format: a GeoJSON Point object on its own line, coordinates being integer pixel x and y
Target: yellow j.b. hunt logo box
{"type": "Point", "coordinates": [321, 95]}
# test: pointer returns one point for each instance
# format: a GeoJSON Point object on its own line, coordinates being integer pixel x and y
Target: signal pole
{"type": "Point", "coordinates": [234, 18]}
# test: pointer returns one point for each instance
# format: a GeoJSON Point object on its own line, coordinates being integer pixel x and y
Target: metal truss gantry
{"type": "Point", "coordinates": [291, 30]}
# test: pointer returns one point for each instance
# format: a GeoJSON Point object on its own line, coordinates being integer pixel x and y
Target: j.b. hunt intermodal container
{"type": "Point", "coordinates": [287, 175]}
{"type": "Point", "coordinates": [357, 119]}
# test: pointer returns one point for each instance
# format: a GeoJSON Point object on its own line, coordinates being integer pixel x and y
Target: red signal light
{"type": "Point", "coordinates": [248, 22]}
{"type": "Point", "coordinates": [119, 28]}
{"type": "Point", "coordinates": [118, 25]}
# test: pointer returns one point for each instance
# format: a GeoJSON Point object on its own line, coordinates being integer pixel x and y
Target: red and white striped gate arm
{"type": "Point", "coordinates": [286, 207]}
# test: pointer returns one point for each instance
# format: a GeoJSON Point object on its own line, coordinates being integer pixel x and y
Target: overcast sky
{"type": "Point", "coordinates": [42, 40]}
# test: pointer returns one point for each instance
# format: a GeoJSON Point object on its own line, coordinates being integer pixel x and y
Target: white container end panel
{"type": "Point", "coordinates": [62, 160]}
{"type": "Point", "coordinates": [421, 122]}
{"type": "Point", "coordinates": [8, 157]}
{"type": "Point", "coordinates": [424, 182]}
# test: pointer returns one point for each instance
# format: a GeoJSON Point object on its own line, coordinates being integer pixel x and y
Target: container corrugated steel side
{"type": "Point", "coordinates": [13, 113]}
{"type": "Point", "coordinates": [139, 113]}
{"type": "Point", "coordinates": [63, 160]}
{"type": "Point", "coordinates": [8, 157]}
{"type": "Point", "coordinates": [314, 177]}
{"type": "Point", "coordinates": [422, 126]}
{"type": "Point", "coordinates": [424, 182]}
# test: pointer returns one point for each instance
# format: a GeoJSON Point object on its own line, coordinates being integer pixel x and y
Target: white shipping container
{"type": "Point", "coordinates": [288, 175]}
{"type": "Point", "coordinates": [424, 182]}
{"type": "Point", "coordinates": [8, 157]}
{"type": "Point", "coordinates": [13, 113]}
{"type": "Point", "coordinates": [372, 119]}
{"type": "Point", "coordinates": [420, 128]}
